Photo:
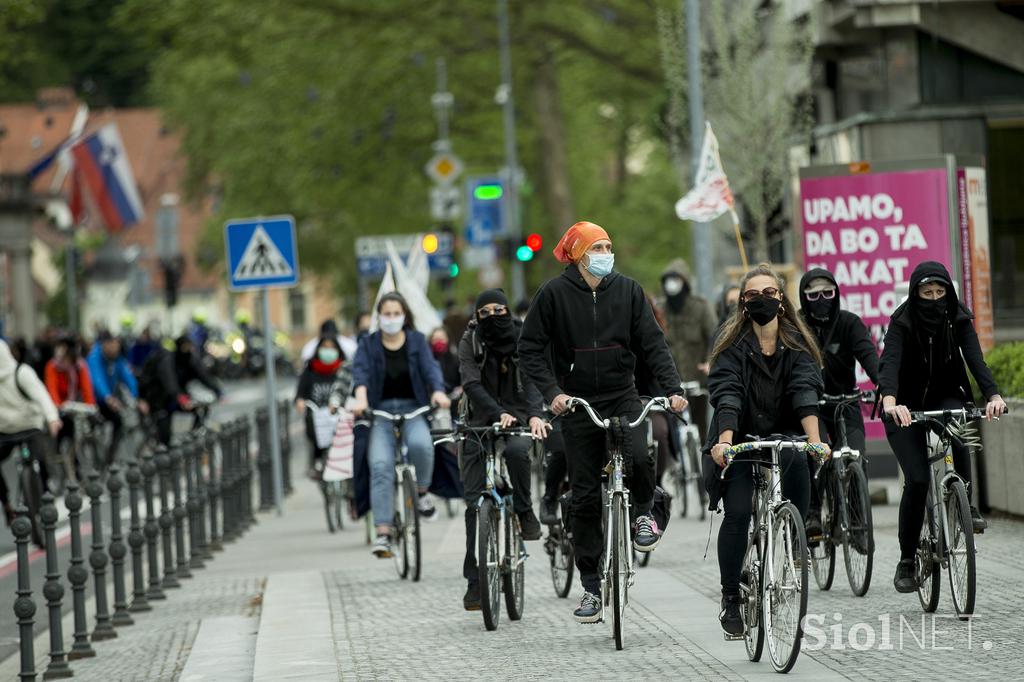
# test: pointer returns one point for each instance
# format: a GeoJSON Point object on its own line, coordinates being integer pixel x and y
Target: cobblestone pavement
{"type": "Point", "coordinates": [384, 628]}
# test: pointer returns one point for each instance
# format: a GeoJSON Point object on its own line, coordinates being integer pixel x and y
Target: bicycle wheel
{"type": "Point", "coordinates": [785, 596]}
{"type": "Point", "coordinates": [681, 482]}
{"type": "Point", "coordinates": [927, 566]}
{"type": "Point", "coordinates": [644, 559]}
{"type": "Point", "coordinates": [328, 494]}
{"type": "Point", "coordinates": [750, 593]}
{"type": "Point", "coordinates": [962, 568]}
{"type": "Point", "coordinates": [412, 525]}
{"type": "Point", "coordinates": [693, 450]}
{"type": "Point", "coordinates": [823, 553]}
{"type": "Point", "coordinates": [32, 498]}
{"type": "Point", "coordinates": [513, 575]}
{"type": "Point", "coordinates": [399, 532]}
{"type": "Point", "coordinates": [488, 562]}
{"type": "Point", "coordinates": [621, 548]}
{"type": "Point", "coordinates": [859, 543]}
{"type": "Point", "coordinates": [561, 559]}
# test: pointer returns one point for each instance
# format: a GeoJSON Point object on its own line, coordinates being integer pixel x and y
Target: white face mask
{"type": "Point", "coordinates": [673, 286]}
{"type": "Point", "coordinates": [392, 325]}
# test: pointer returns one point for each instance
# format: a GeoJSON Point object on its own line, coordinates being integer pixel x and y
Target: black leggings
{"type": "Point", "coordinates": [737, 500]}
{"type": "Point", "coordinates": [556, 466]}
{"type": "Point", "coordinates": [910, 446]}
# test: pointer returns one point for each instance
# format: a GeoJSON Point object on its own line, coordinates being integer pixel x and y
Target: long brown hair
{"type": "Point", "coordinates": [793, 331]}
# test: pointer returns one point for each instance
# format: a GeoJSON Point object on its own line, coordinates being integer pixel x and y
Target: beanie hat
{"type": "Point", "coordinates": [577, 240]}
{"type": "Point", "coordinates": [491, 296]}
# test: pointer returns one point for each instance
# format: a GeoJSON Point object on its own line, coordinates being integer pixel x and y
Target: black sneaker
{"type": "Point", "coordinates": [471, 600]}
{"type": "Point", "coordinates": [813, 526]}
{"type": "Point", "coordinates": [646, 534]}
{"type": "Point", "coordinates": [729, 617]}
{"type": "Point", "coordinates": [905, 581]}
{"type": "Point", "coordinates": [529, 525]}
{"type": "Point", "coordinates": [426, 506]}
{"type": "Point", "coordinates": [589, 610]}
{"type": "Point", "coordinates": [548, 511]}
{"type": "Point", "coordinates": [979, 522]}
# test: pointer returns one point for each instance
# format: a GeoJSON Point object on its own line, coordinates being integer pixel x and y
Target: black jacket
{"type": "Point", "coordinates": [922, 369]}
{"type": "Point", "coordinates": [843, 339]}
{"type": "Point", "coordinates": [591, 335]}
{"type": "Point", "coordinates": [494, 382]}
{"type": "Point", "coordinates": [166, 375]}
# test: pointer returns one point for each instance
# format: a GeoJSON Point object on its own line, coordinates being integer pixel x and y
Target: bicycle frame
{"type": "Point", "coordinates": [843, 455]}
{"type": "Point", "coordinates": [402, 463]}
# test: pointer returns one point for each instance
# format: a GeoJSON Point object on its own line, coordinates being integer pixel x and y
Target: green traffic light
{"type": "Point", "coordinates": [524, 253]}
{"type": "Point", "coordinates": [453, 270]}
{"type": "Point", "coordinates": [488, 192]}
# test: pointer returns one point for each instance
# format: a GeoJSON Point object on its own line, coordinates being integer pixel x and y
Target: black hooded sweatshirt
{"type": "Point", "coordinates": [921, 367]}
{"type": "Point", "coordinates": [592, 336]}
{"type": "Point", "coordinates": [842, 337]}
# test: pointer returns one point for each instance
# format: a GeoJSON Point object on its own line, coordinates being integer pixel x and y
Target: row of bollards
{"type": "Point", "coordinates": [203, 485]}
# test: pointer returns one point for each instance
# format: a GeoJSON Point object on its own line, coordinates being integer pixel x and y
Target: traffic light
{"type": "Point", "coordinates": [535, 242]}
{"type": "Point", "coordinates": [524, 253]}
{"type": "Point", "coordinates": [430, 243]}
{"type": "Point", "coordinates": [491, 191]}
{"type": "Point", "coordinates": [453, 270]}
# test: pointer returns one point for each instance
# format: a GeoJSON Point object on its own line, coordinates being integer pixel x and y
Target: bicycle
{"type": "Point", "coordinates": [773, 578]}
{"type": "Point", "coordinates": [83, 450]}
{"type": "Point", "coordinates": [405, 526]}
{"type": "Point", "coordinates": [950, 543]}
{"type": "Point", "coordinates": [686, 471]}
{"type": "Point", "coordinates": [335, 478]}
{"type": "Point", "coordinates": [617, 571]}
{"type": "Point", "coordinates": [845, 507]}
{"type": "Point", "coordinates": [558, 546]}
{"type": "Point", "coordinates": [30, 480]}
{"type": "Point", "coordinates": [501, 551]}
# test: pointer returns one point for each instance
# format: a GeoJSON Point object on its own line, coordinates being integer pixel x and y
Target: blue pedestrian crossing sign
{"type": "Point", "coordinates": [261, 253]}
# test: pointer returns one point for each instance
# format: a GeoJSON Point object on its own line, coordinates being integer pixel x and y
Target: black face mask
{"type": "Point", "coordinates": [931, 313]}
{"type": "Point", "coordinates": [499, 332]}
{"type": "Point", "coordinates": [820, 310]}
{"type": "Point", "coordinates": [762, 309]}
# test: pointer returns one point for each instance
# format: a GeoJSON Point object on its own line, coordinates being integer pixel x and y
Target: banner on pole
{"type": "Point", "coordinates": [710, 196]}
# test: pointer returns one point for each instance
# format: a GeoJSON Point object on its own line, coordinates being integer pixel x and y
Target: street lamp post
{"type": "Point", "coordinates": [701, 231]}
{"type": "Point", "coordinates": [513, 228]}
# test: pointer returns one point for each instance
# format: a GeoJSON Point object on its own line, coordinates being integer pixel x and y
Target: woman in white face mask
{"type": "Point", "coordinates": [395, 371]}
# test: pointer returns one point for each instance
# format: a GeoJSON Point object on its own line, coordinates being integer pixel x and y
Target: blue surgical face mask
{"type": "Point", "coordinates": [328, 356]}
{"type": "Point", "coordinates": [601, 264]}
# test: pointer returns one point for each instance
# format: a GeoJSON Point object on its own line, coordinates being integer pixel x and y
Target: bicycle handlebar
{"type": "Point", "coordinates": [401, 417]}
{"type": "Point", "coordinates": [863, 396]}
{"type": "Point", "coordinates": [740, 448]}
{"type": "Point", "coordinates": [692, 388]}
{"type": "Point", "coordinates": [604, 423]}
{"type": "Point", "coordinates": [943, 416]}
{"type": "Point", "coordinates": [460, 432]}
{"type": "Point", "coordinates": [72, 407]}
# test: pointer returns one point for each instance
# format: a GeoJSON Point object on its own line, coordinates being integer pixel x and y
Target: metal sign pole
{"type": "Point", "coordinates": [275, 440]}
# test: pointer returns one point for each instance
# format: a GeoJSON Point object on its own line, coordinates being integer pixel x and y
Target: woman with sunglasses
{"type": "Point", "coordinates": [844, 341]}
{"type": "Point", "coordinates": [929, 339]}
{"type": "Point", "coordinates": [764, 380]}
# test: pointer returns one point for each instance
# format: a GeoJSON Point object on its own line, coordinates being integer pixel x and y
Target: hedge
{"type": "Point", "coordinates": [1007, 364]}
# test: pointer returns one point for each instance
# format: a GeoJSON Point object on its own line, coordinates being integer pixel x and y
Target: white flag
{"type": "Point", "coordinates": [710, 196]}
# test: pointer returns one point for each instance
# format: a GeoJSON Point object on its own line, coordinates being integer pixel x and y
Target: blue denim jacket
{"type": "Point", "coordinates": [368, 367]}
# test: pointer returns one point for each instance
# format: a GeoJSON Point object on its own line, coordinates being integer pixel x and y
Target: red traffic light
{"type": "Point", "coordinates": [535, 242]}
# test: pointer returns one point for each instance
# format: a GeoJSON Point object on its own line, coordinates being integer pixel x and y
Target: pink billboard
{"type": "Point", "coordinates": [870, 231]}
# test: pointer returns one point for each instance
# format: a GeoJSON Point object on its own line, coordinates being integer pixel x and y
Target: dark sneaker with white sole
{"type": "Point", "coordinates": [589, 610]}
{"type": "Point", "coordinates": [529, 525]}
{"type": "Point", "coordinates": [382, 547]}
{"type": "Point", "coordinates": [905, 580]}
{"type": "Point", "coordinates": [646, 534]}
{"type": "Point", "coordinates": [729, 616]}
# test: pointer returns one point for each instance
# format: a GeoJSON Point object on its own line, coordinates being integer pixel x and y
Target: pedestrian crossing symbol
{"type": "Point", "coordinates": [261, 253]}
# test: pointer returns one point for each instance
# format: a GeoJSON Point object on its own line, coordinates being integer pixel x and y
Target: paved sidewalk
{"type": "Point", "coordinates": [291, 601]}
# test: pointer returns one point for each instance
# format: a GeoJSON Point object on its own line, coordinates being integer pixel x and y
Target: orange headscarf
{"type": "Point", "coordinates": [577, 240]}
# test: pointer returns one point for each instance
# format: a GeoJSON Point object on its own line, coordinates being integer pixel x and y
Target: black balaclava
{"type": "Point", "coordinates": [498, 331]}
{"type": "Point", "coordinates": [931, 315]}
{"type": "Point", "coordinates": [822, 313]}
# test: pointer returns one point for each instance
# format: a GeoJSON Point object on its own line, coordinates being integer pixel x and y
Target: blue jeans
{"type": "Point", "coordinates": [416, 434]}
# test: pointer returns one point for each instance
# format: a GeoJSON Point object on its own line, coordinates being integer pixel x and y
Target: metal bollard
{"type": "Point", "coordinates": [215, 491]}
{"type": "Point", "coordinates": [54, 593]}
{"type": "Point", "coordinates": [228, 482]}
{"type": "Point", "coordinates": [192, 503]}
{"type": "Point", "coordinates": [136, 540]}
{"type": "Point", "coordinates": [98, 560]}
{"type": "Point", "coordinates": [247, 463]}
{"type": "Point", "coordinates": [151, 530]}
{"type": "Point", "coordinates": [117, 550]}
{"type": "Point", "coordinates": [24, 607]}
{"type": "Point", "coordinates": [163, 466]}
{"type": "Point", "coordinates": [202, 454]}
{"type": "Point", "coordinates": [286, 445]}
{"type": "Point", "coordinates": [179, 511]}
{"type": "Point", "coordinates": [264, 461]}
{"type": "Point", "coordinates": [77, 576]}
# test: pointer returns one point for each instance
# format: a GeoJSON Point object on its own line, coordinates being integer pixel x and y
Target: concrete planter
{"type": "Point", "coordinates": [1003, 460]}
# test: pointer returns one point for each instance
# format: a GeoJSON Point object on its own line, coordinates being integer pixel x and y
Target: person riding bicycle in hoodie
{"type": "Point", "coordinates": [930, 337]}
{"type": "Point", "coordinates": [497, 392]}
{"type": "Point", "coordinates": [587, 323]}
{"type": "Point", "coordinates": [844, 341]}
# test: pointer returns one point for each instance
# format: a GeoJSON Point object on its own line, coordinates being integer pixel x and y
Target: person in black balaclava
{"type": "Point", "coordinates": [929, 339]}
{"type": "Point", "coordinates": [497, 392]}
{"type": "Point", "coordinates": [844, 341]}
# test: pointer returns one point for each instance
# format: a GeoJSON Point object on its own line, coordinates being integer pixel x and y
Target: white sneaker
{"type": "Point", "coordinates": [382, 547]}
{"type": "Point", "coordinates": [426, 506]}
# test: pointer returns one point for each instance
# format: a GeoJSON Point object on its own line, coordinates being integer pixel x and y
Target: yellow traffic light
{"type": "Point", "coordinates": [430, 243]}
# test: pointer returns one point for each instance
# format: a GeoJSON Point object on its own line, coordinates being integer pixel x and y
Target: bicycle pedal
{"type": "Point", "coordinates": [732, 638]}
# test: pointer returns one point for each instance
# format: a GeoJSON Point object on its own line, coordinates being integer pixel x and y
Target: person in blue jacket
{"type": "Point", "coordinates": [395, 371]}
{"type": "Point", "coordinates": [110, 371]}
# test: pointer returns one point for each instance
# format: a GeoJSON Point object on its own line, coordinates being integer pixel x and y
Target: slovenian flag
{"type": "Point", "coordinates": [102, 167]}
